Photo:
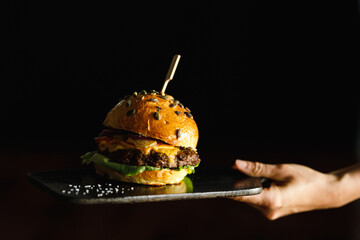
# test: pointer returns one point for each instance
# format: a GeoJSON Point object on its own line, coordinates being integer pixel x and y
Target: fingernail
{"type": "Point", "coordinates": [241, 164]}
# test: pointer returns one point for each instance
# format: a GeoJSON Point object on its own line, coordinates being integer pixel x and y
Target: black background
{"type": "Point", "coordinates": [265, 80]}
{"type": "Point", "coordinates": [255, 74]}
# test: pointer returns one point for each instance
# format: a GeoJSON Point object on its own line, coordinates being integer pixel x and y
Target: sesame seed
{"type": "Point", "coordinates": [131, 112]}
{"type": "Point", "coordinates": [156, 115]}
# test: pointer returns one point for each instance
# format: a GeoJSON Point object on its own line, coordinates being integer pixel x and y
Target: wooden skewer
{"type": "Point", "coordinates": [171, 72]}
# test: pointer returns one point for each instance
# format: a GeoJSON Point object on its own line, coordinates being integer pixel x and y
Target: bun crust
{"type": "Point", "coordinates": [154, 116]}
{"type": "Point", "coordinates": [157, 178]}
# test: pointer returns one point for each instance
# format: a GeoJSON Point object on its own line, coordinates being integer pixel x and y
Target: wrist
{"type": "Point", "coordinates": [345, 188]}
{"type": "Point", "coordinates": [335, 197]}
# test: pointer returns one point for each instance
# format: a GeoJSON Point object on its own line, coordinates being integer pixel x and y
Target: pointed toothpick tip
{"type": "Point", "coordinates": [171, 72]}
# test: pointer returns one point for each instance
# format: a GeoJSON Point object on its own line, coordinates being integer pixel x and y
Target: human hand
{"type": "Point", "coordinates": [294, 188]}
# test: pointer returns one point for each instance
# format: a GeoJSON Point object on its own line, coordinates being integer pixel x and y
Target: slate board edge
{"type": "Point", "coordinates": [166, 197]}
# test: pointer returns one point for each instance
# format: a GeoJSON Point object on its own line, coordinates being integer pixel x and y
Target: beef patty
{"type": "Point", "coordinates": [185, 157]}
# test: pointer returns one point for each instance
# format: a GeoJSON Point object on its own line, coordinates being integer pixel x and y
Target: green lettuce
{"type": "Point", "coordinates": [189, 185]}
{"type": "Point", "coordinates": [128, 170]}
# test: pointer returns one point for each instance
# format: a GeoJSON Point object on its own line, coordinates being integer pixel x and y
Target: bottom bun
{"type": "Point", "coordinates": [156, 177]}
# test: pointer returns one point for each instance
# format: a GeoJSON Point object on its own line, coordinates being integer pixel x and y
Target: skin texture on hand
{"type": "Point", "coordinates": [296, 188]}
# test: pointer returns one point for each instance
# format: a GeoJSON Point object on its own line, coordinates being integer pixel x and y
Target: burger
{"type": "Point", "coordinates": [149, 138]}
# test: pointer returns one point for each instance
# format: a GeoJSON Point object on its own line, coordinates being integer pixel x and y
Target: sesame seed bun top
{"type": "Point", "coordinates": [155, 116]}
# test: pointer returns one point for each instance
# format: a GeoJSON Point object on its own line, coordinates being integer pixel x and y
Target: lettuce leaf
{"type": "Point", "coordinates": [128, 170]}
{"type": "Point", "coordinates": [189, 185]}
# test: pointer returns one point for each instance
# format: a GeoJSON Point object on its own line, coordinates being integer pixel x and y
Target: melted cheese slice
{"type": "Point", "coordinates": [114, 145]}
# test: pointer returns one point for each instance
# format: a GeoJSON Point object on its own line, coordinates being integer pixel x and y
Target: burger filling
{"type": "Point", "coordinates": [128, 150]}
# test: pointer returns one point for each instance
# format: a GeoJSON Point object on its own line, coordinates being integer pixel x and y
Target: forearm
{"type": "Point", "coordinates": [347, 185]}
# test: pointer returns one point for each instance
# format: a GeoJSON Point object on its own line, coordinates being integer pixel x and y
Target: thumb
{"type": "Point", "coordinates": [257, 169]}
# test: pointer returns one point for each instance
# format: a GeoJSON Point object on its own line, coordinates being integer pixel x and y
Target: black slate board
{"type": "Point", "coordinates": [83, 186]}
